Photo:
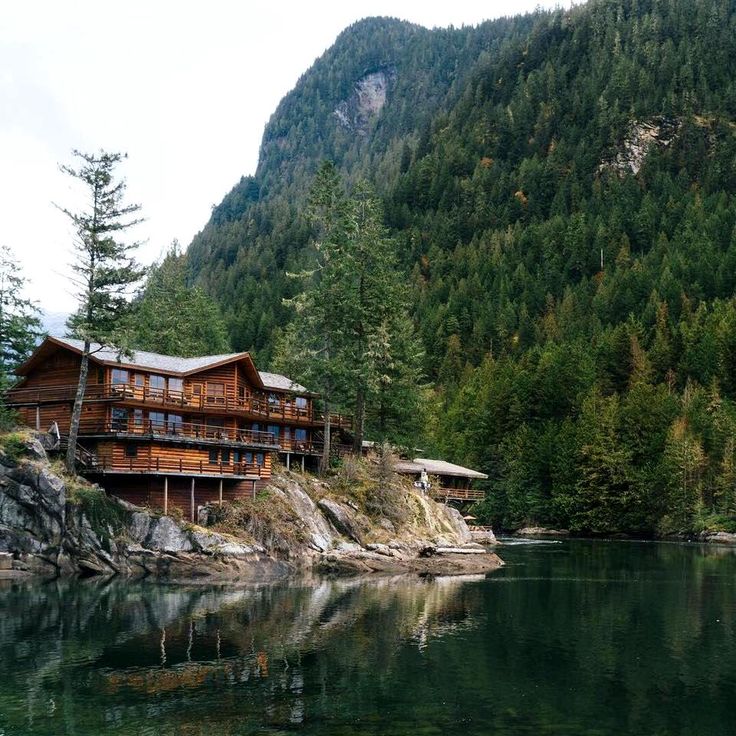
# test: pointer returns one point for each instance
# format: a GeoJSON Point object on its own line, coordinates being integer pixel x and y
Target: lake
{"type": "Point", "coordinates": [572, 638]}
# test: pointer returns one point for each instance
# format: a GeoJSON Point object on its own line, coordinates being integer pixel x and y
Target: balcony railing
{"type": "Point", "coordinates": [183, 430]}
{"type": "Point", "coordinates": [309, 447]}
{"type": "Point", "coordinates": [254, 406]}
{"type": "Point", "coordinates": [456, 494]}
{"type": "Point", "coordinates": [172, 466]}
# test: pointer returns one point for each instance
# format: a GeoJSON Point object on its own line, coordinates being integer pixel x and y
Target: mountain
{"type": "Point", "coordinates": [560, 187]}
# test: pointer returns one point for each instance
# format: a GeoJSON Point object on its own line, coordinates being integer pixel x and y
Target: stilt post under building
{"type": "Point", "coordinates": [220, 492]}
{"type": "Point", "coordinates": [166, 495]}
{"type": "Point", "coordinates": [192, 500]}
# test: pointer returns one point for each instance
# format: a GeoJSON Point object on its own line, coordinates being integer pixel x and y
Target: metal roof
{"type": "Point", "coordinates": [283, 383]}
{"type": "Point", "coordinates": [436, 467]}
{"type": "Point", "coordinates": [154, 361]}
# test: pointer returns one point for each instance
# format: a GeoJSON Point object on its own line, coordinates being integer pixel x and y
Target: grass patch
{"type": "Point", "coordinates": [13, 445]}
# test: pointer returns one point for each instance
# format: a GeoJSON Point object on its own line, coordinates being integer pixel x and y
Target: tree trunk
{"type": "Point", "coordinates": [325, 462]}
{"type": "Point", "coordinates": [71, 450]}
{"type": "Point", "coordinates": [359, 422]}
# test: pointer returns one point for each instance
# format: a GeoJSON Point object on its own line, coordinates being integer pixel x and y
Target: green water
{"type": "Point", "coordinates": [573, 638]}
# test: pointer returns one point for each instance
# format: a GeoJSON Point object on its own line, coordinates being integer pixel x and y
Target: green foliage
{"type": "Point", "coordinates": [106, 517]}
{"type": "Point", "coordinates": [577, 314]}
{"type": "Point", "coordinates": [173, 317]}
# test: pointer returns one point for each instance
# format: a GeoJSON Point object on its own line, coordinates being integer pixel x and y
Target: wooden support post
{"type": "Point", "coordinates": [302, 463]}
{"type": "Point", "coordinates": [38, 418]}
{"type": "Point", "coordinates": [166, 495]}
{"type": "Point", "coordinates": [288, 461]}
{"type": "Point", "coordinates": [192, 501]}
{"type": "Point", "coordinates": [220, 491]}
{"type": "Point", "coordinates": [254, 491]}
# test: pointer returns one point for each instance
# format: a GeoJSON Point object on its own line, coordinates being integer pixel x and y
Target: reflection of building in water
{"type": "Point", "coordinates": [244, 656]}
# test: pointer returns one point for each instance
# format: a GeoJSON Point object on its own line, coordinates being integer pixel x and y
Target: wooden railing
{"type": "Point", "coordinates": [184, 430]}
{"type": "Point", "coordinates": [311, 447]}
{"type": "Point", "coordinates": [162, 466]}
{"type": "Point", "coordinates": [256, 406]}
{"type": "Point", "coordinates": [456, 494]}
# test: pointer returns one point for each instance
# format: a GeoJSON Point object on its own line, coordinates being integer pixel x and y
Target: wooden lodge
{"type": "Point", "coordinates": [167, 431]}
{"type": "Point", "coordinates": [447, 482]}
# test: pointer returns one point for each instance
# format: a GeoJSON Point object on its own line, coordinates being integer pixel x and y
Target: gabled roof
{"type": "Point", "coordinates": [436, 467]}
{"type": "Point", "coordinates": [168, 364]}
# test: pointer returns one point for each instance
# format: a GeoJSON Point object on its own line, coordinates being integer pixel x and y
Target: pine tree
{"type": "Point", "coordinates": [104, 267]}
{"type": "Point", "coordinates": [20, 326]}
{"type": "Point", "coordinates": [174, 318]}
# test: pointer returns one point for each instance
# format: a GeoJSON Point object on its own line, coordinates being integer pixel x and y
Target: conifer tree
{"type": "Point", "coordinates": [173, 317]}
{"type": "Point", "coordinates": [20, 326]}
{"type": "Point", "coordinates": [104, 267]}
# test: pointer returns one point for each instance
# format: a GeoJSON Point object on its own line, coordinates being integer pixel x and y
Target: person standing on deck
{"type": "Point", "coordinates": [424, 480]}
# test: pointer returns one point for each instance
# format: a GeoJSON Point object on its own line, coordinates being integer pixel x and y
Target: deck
{"type": "Point", "coordinates": [252, 407]}
{"type": "Point", "coordinates": [168, 466]}
{"type": "Point", "coordinates": [456, 494]}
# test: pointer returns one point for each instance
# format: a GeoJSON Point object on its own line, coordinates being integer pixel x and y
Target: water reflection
{"type": "Point", "coordinates": [577, 638]}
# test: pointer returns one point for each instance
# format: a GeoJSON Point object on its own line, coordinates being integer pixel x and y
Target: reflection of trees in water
{"type": "Point", "coordinates": [622, 638]}
{"type": "Point", "coordinates": [112, 653]}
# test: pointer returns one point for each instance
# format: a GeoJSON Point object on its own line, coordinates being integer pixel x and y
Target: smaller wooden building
{"type": "Point", "coordinates": [448, 482]}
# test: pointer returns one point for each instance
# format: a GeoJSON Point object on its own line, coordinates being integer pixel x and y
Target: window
{"type": "Point", "coordinates": [300, 435]}
{"type": "Point", "coordinates": [197, 389]}
{"type": "Point", "coordinates": [156, 385]}
{"type": "Point", "coordinates": [176, 385]}
{"type": "Point", "coordinates": [138, 417]}
{"type": "Point", "coordinates": [213, 457]}
{"type": "Point", "coordinates": [119, 377]}
{"type": "Point", "coordinates": [119, 419]}
{"type": "Point", "coordinates": [131, 450]}
{"type": "Point", "coordinates": [274, 400]}
{"type": "Point", "coordinates": [248, 457]}
{"type": "Point", "coordinates": [256, 427]}
{"type": "Point", "coordinates": [274, 429]}
{"type": "Point", "coordinates": [287, 433]}
{"type": "Point", "coordinates": [175, 423]}
{"type": "Point", "coordinates": [225, 457]}
{"type": "Point", "coordinates": [100, 375]}
{"type": "Point", "coordinates": [236, 456]}
{"type": "Point", "coordinates": [139, 380]}
{"type": "Point", "coordinates": [301, 402]}
{"type": "Point", "coordinates": [215, 427]}
{"type": "Point", "coordinates": [157, 420]}
{"type": "Point", "coordinates": [259, 459]}
{"type": "Point", "coordinates": [215, 391]}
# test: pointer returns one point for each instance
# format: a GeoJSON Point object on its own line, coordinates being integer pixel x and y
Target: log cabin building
{"type": "Point", "coordinates": [448, 482]}
{"type": "Point", "coordinates": [171, 432]}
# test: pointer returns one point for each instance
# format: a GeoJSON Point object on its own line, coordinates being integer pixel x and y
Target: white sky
{"type": "Point", "coordinates": [184, 88]}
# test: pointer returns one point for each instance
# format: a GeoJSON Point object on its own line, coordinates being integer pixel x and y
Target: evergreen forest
{"type": "Point", "coordinates": [559, 191]}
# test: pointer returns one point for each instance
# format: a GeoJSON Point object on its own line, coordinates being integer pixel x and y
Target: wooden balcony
{"type": "Point", "coordinates": [185, 431]}
{"type": "Point", "coordinates": [169, 466]}
{"type": "Point", "coordinates": [456, 494]}
{"type": "Point", "coordinates": [255, 407]}
{"type": "Point", "coordinates": [309, 447]}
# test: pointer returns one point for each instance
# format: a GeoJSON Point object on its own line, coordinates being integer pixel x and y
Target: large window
{"type": "Point", "coordinates": [157, 420]}
{"type": "Point", "coordinates": [156, 385]}
{"type": "Point", "coordinates": [274, 401]}
{"type": "Point", "coordinates": [174, 423]}
{"type": "Point", "coordinates": [300, 435]}
{"type": "Point", "coordinates": [213, 457]}
{"type": "Point", "coordinates": [301, 402]}
{"type": "Point", "coordinates": [138, 417]}
{"type": "Point", "coordinates": [215, 391]}
{"type": "Point", "coordinates": [176, 385]}
{"type": "Point", "coordinates": [215, 428]}
{"type": "Point", "coordinates": [259, 459]}
{"type": "Point", "coordinates": [119, 419]}
{"type": "Point", "coordinates": [119, 377]}
{"type": "Point", "coordinates": [275, 430]}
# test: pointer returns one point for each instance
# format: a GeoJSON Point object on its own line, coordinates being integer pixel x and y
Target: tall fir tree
{"type": "Point", "coordinates": [104, 266]}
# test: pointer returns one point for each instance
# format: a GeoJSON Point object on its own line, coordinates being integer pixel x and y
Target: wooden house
{"type": "Point", "coordinates": [167, 431]}
{"type": "Point", "coordinates": [448, 482]}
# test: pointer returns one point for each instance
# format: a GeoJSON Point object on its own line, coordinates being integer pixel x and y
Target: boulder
{"type": "Point", "coordinates": [165, 535]}
{"type": "Point", "coordinates": [342, 518]}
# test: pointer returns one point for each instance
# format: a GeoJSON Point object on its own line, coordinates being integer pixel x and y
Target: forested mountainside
{"type": "Point", "coordinates": [560, 188]}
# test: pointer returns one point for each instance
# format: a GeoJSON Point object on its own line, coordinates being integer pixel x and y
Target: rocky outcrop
{"type": "Point", "coordinates": [643, 135]}
{"type": "Point", "coordinates": [540, 531]}
{"type": "Point", "coordinates": [718, 537]}
{"type": "Point", "coordinates": [358, 112]}
{"type": "Point", "coordinates": [48, 529]}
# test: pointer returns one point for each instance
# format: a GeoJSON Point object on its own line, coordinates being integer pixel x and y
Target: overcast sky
{"type": "Point", "coordinates": [184, 88]}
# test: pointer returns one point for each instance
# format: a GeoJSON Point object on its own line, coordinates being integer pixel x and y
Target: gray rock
{"type": "Point", "coordinates": [320, 534]}
{"type": "Point", "coordinates": [166, 535]}
{"type": "Point", "coordinates": [342, 518]}
{"type": "Point", "coordinates": [457, 523]}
